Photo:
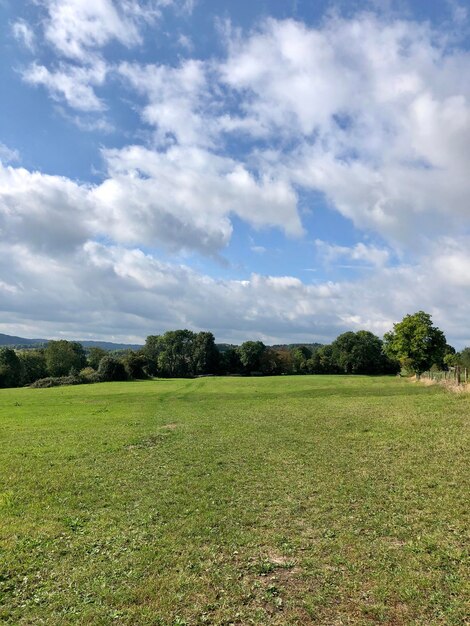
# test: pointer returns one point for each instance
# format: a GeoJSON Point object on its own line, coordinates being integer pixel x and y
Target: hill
{"type": "Point", "coordinates": [23, 342]}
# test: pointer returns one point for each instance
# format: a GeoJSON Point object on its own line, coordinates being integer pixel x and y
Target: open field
{"type": "Point", "coordinates": [292, 500]}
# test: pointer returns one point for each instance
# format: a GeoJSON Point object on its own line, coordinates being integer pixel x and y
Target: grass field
{"type": "Point", "coordinates": [293, 500]}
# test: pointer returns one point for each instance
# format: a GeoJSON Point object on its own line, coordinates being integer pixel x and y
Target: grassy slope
{"type": "Point", "coordinates": [293, 500]}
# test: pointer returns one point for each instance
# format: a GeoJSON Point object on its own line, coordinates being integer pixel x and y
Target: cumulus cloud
{"type": "Point", "coordinates": [122, 293]}
{"type": "Point", "coordinates": [369, 254]}
{"type": "Point", "coordinates": [374, 114]}
{"type": "Point", "coordinates": [76, 27]}
{"type": "Point", "coordinates": [72, 84]}
{"type": "Point", "coordinates": [382, 110]}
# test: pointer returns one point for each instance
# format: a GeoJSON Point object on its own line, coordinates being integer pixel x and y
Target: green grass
{"type": "Point", "coordinates": [292, 500]}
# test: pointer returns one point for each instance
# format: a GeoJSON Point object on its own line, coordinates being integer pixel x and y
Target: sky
{"type": "Point", "coordinates": [283, 170]}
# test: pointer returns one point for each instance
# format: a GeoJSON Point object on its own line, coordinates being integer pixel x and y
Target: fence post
{"type": "Point", "coordinates": [457, 374]}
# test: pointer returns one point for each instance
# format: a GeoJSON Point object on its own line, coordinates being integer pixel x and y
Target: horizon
{"type": "Point", "coordinates": [268, 170]}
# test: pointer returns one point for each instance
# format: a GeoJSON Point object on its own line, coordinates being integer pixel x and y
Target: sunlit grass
{"type": "Point", "coordinates": [291, 500]}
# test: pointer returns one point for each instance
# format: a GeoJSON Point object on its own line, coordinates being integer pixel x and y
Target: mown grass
{"type": "Point", "coordinates": [292, 500]}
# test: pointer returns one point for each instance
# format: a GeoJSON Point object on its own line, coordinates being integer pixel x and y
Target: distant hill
{"type": "Point", "coordinates": [23, 342]}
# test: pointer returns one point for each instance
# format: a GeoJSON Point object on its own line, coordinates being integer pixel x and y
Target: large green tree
{"type": "Point", "coordinates": [10, 368]}
{"type": "Point", "coordinates": [416, 343]}
{"type": "Point", "coordinates": [34, 367]}
{"type": "Point", "coordinates": [63, 356]}
{"type": "Point", "coordinates": [250, 354]}
{"type": "Point", "coordinates": [361, 353]}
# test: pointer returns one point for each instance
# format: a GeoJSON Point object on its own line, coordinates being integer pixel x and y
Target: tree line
{"type": "Point", "coordinates": [414, 344]}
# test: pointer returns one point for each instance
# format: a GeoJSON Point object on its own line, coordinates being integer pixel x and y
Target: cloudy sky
{"type": "Point", "coordinates": [275, 169]}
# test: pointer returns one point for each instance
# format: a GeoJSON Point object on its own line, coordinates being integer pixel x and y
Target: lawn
{"type": "Point", "coordinates": [291, 500]}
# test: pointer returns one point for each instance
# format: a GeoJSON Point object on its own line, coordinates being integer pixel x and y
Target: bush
{"type": "Point", "coordinates": [110, 369]}
{"type": "Point", "coordinates": [88, 374]}
{"type": "Point", "coordinates": [56, 381]}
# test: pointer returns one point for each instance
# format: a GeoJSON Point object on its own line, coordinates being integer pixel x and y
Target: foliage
{"type": "Point", "coordinates": [62, 356]}
{"type": "Point", "coordinates": [111, 369]}
{"type": "Point", "coordinates": [229, 361]}
{"type": "Point", "coordinates": [250, 354]}
{"type": "Point", "coordinates": [33, 364]}
{"type": "Point", "coordinates": [95, 354]}
{"type": "Point", "coordinates": [134, 364]}
{"type": "Point", "coordinates": [10, 368]}
{"type": "Point", "coordinates": [361, 353]}
{"type": "Point", "coordinates": [56, 381]}
{"type": "Point", "coordinates": [416, 343]}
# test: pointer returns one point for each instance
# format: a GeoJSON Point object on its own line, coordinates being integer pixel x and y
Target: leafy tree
{"type": "Point", "coordinates": [300, 358]}
{"type": "Point", "coordinates": [361, 353]}
{"type": "Point", "coordinates": [111, 369]}
{"type": "Point", "coordinates": [33, 363]}
{"type": "Point", "coordinates": [151, 351]}
{"type": "Point", "coordinates": [416, 343]}
{"type": "Point", "coordinates": [134, 364]}
{"type": "Point", "coordinates": [62, 356]}
{"type": "Point", "coordinates": [250, 354]}
{"type": "Point", "coordinates": [464, 358]}
{"type": "Point", "coordinates": [176, 355]}
{"type": "Point", "coordinates": [10, 368]}
{"type": "Point", "coordinates": [205, 356]}
{"type": "Point", "coordinates": [95, 355]}
{"type": "Point", "coordinates": [322, 361]}
{"type": "Point", "coordinates": [230, 361]}
{"type": "Point", "coordinates": [276, 361]}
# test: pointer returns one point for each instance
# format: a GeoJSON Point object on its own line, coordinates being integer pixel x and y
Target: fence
{"type": "Point", "coordinates": [455, 375]}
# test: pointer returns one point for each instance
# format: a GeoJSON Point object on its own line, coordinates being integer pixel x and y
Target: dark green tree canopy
{"type": "Point", "coordinates": [416, 343]}
{"type": "Point", "coordinates": [361, 353]}
{"type": "Point", "coordinates": [62, 356]}
{"type": "Point", "coordinates": [10, 368]}
{"type": "Point", "coordinates": [250, 354]}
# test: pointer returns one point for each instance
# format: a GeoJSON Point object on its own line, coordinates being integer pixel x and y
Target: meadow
{"type": "Point", "coordinates": [291, 500]}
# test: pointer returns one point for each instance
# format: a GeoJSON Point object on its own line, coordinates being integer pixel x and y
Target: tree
{"type": "Point", "coordinates": [300, 357]}
{"type": "Point", "coordinates": [134, 363]}
{"type": "Point", "coordinates": [205, 356]}
{"type": "Point", "coordinates": [176, 353]}
{"type": "Point", "coordinates": [62, 356]}
{"type": "Point", "coordinates": [361, 353]}
{"type": "Point", "coordinates": [95, 355]}
{"type": "Point", "coordinates": [230, 361]}
{"type": "Point", "coordinates": [10, 368]}
{"type": "Point", "coordinates": [416, 343]}
{"type": "Point", "coordinates": [33, 363]}
{"type": "Point", "coordinates": [111, 369]}
{"type": "Point", "coordinates": [151, 351]}
{"type": "Point", "coordinates": [250, 354]}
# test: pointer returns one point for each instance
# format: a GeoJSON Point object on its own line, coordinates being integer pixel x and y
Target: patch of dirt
{"type": "Point", "coordinates": [172, 426]}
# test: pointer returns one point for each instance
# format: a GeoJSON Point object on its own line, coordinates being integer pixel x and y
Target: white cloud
{"type": "Point", "coordinates": [73, 84]}
{"type": "Point", "coordinates": [23, 33]}
{"type": "Point", "coordinates": [76, 27]}
{"type": "Point", "coordinates": [369, 254]}
{"type": "Point", "coordinates": [123, 293]}
{"type": "Point", "coordinates": [374, 114]}
{"type": "Point", "coordinates": [379, 112]}
{"type": "Point", "coordinates": [179, 100]}
{"type": "Point", "coordinates": [43, 213]}
{"type": "Point", "coordinates": [183, 198]}
{"type": "Point", "coordinates": [8, 155]}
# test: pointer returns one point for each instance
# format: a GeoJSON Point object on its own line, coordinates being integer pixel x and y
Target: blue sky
{"type": "Point", "coordinates": [273, 169]}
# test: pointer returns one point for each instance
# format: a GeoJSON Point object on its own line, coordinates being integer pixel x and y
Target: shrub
{"type": "Point", "coordinates": [111, 369]}
{"type": "Point", "coordinates": [56, 381]}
